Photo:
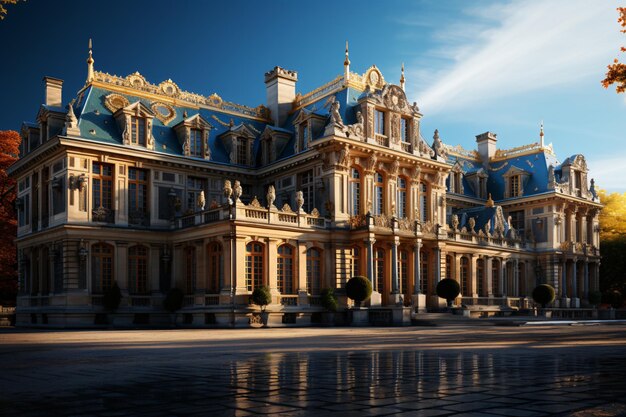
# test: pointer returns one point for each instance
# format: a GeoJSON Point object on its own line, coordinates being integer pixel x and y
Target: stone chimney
{"type": "Point", "coordinates": [486, 145]}
{"type": "Point", "coordinates": [280, 86]}
{"type": "Point", "coordinates": [54, 91]}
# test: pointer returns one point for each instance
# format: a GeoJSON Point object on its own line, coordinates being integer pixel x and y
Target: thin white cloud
{"type": "Point", "coordinates": [518, 47]}
{"type": "Point", "coordinates": [608, 172]}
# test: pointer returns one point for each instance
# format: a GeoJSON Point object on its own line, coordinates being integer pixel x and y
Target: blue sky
{"type": "Point", "coordinates": [502, 66]}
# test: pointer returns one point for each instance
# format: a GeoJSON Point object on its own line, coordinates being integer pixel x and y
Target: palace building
{"type": "Point", "coordinates": [152, 187]}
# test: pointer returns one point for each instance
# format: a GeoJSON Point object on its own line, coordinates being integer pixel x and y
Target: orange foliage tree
{"type": "Point", "coordinates": [616, 73]}
{"type": "Point", "coordinates": [9, 150]}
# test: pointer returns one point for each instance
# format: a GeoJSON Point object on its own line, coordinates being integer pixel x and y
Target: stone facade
{"type": "Point", "coordinates": [152, 187]}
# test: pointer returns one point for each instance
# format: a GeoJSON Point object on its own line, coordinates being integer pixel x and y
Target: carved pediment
{"type": "Point", "coordinates": [513, 170]}
{"type": "Point", "coordinates": [183, 131]}
{"type": "Point", "coordinates": [577, 162]}
{"type": "Point", "coordinates": [276, 141]}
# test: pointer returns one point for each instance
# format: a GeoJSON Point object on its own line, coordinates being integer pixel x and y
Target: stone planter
{"type": "Point", "coordinates": [360, 317]}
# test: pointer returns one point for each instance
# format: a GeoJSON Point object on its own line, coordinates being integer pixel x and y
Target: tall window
{"type": "Point", "coordinates": [194, 187]}
{"type": "Point", "coordinates": [102, 190]}
{"type": "Point", "coordinates": [195, 142]}
{"type": "Point", "coordinates": [307, 185]}
{"type": "Point", "coordinates": [101, 267]}
{"type": "Point", "coordinates": [465, 289]}
{"type": "Point", "coordinates": [517, 221]}
{"type": "Point", "coordinates": [303, 136]}
{"type": "Point", "coordinates": [254, 265]}
{"type": "Point", "coordinates": [379, 266]}
{"type": "Point", "coordinates": [402, 197]}
{"type": "Point", "coordinates": [514, 186]}
{"type": "Point", "coordinates": [138, 131]}
{"type": "Point", "coordinates": [424, 271]}
{"type": "Point", "coordinates": [214, 254]}
{"type": "Point", "coordinates": [482, 187]}
{"type": "Point", "coordinates": [480, 277]}
{"type": "Point", "coordinates": [404, 132]}
{"type": "Point", "coordinates": [403, 271]}
{"type": "Point", "coordinates": [495, 277]}
{"type": "Point", "coordinates": [242, 151]}
{"type": "Point", "coordinates": [379, 122]}
{"type": "Point", "coordinates": [138, 269]}
{"type": "Point", "coordinates": [285, 269]}
{"type": "Point", "coordinates": [356, 261]}
{"type": "Point", "coordinates": [379, 199]}
{"type": "Point", "coordinates": [423, 202]}
{"type": "Point", "coordinates": [190, 269]}
{"type": "Point", "coordinates": [137, 196]}
{"type": "Point", "coordinates": [355, 192]}
{"type": "Point", "coordinates": [313, 270]}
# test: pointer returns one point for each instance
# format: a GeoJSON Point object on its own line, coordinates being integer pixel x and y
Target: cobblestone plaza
{"type": "Point", "coordinates": [452, 370]}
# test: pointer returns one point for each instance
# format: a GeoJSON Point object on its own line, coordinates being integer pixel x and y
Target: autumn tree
{"type": "Point", "coordinates": [613, 242]}
{"type": "Point", "coordinates": [9, 150]}
{"type": "Point", "coordinates": [616, 73]}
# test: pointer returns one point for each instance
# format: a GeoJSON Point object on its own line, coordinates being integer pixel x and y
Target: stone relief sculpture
{"type": "Point", "coordinates": [201, 202]}
{"type": "Point", "coordinates": [299, 201]}
{"type": "Point", "coordinates": [228, 191]}
{"type": "Point", "coordinates": [438, 146]}
{"type": "Point", "coordinates": [471, 223]}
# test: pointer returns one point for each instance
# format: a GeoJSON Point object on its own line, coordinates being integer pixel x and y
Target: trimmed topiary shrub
{"type": "Point", "coordinates": [328, 299]}
{"type": "Point", "coordinates": [448, 289]}
{"type": "Point", "coordinates": [595, 298]}
{"type": "Point", "coordinates": [262, 296]}
{"type": "Point", "coordinates": [543, 294]}
{"type": "Point", "coordinates": [358, 289]}
{"type": "Point", "coordinates": [112, 297]}
{"type": "Point", "coordinates": [173, 300]}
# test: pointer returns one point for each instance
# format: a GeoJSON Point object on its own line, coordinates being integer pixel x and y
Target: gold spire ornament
{"type": "Point", "coordinates": [402, 77]}
{"type": "Point", "coordinates": [541, 135]}
{"type": "Point", "coordinates": [90, 64]}
{"type": "Point", "coordinates": [346, 66]}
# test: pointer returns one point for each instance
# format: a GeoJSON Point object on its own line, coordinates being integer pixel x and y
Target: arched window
{"type": "Point", "coordinates": [379, 268]}
{"type": "Point", "coordinates": [480, 277]}
{"type": "Point", "coordinates": [190, 269]}
{"type": "Point", "coordinates": [313, 270]}
{"type": "Point", "coordinates": [379, 194]}
{"type": "Point", "coordinates": [355, 192]}
{"type": "Point", "coordinates": [465, 289]}
{"type": "Point", "coordinates": [423, 202]}
{"type": "Point", "coordinates": [401, 204]}
{"type": "Point", "coordinates": [138, 269]}
{"type": "Point", "coordinates": [495, 277]}
{"type": "Point", "coordinates": [254, 265]}
{"type": "Point", "coordinates": [285, 266]}
{"type": "Point", "coordinates": [424, 279]}
{"type": "Point", "coordinates": [403, 271]}
{"type": "Point", "coordinates": [214, 267]}
{"type": "Point", "coordinates": [101, 267]}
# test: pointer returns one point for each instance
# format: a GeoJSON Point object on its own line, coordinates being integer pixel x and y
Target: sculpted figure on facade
{"type": "Point", "coordinates": [201, 202]}
{"type": "Point", "coordinates": [228, 191]}
{"type": "Point", "coordinates": [271, 196]}
{"type": "Point", "coordinates": [299, 201]}
{"type": "Point", "coordinates": [438, 147]}
{"type": "Point", "coordinates": [237, 191]}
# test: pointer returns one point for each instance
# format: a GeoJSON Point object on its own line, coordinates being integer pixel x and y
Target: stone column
{"type": "Point", "coordinates": [437, 276]}
{"type": "Point", "coordinates": [503, 288]}
{"type": "Point", "coordinates": [515, 278]}
{"type": "Point", "coordinates": [575, 300]}
{"type": "Point", "coordinates": [301, 288]}
{"type": "Point", "coordinates": [472, 275]}
{"type": "Point", "coordinates": [564, 299]}
{"type": "Point", "coordinates": [370, 262]}
{"type": "Point", "coordinates": [419, 299]}
{"type": "Point", "coordinates": [586, 281]}
{"type": "Point", "coordinates": [271, 253]}
{"type": "Point", "coordinates": [488, 272]}
{"type": "Point", "coordinates": [394, 297]}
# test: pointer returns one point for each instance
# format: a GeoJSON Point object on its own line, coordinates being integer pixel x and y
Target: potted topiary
{"type": "Point", "coordinates": [173, 302]}
{"type": "Point", "coordinates": [358, 289]}
{"type": "Point", "coordinates": [544, 294]}
{"type": "Point", "coordinates": [262, 296]}
{"type": "Point", "coordinates": [448, 289]}
{"type": "Point", "coordinates": [328, 300]}
{"type": "Point", "coordinates": [112, 298]}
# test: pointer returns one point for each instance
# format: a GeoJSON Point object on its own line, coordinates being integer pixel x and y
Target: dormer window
{"type": "Point", "coordinates": [514, 180]}
{"type": "Point", "coordinates": [135, 122]}
{"type": "Point", "coordinates": [303, 136]}
{"type": "Point", "coordinates": [138, 131]}
{"type": "Point", "coordinates": [193, 135]}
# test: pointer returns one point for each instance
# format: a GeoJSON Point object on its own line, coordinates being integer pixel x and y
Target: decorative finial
{"type": "Point", "coordinates": [90, 64]}
{"type": "Point", "coordinates": [402, 77]}
{"type": "Point", "coordinates": [346, 65]}
{"type": "Point", "coordinates": [489, 202]}
{"type": "Point", "coordinates": [541, 135]}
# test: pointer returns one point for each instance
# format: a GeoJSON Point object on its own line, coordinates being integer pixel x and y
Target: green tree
{"type": "Point", "coordinates": [616, 72]}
